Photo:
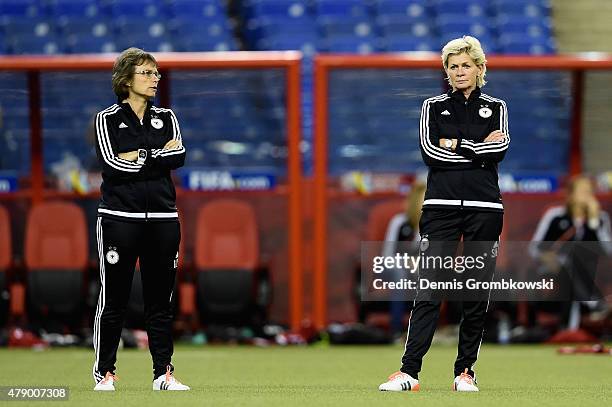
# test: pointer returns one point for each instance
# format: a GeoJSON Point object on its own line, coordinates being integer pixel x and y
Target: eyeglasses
{"type": "Point", "coordinates": [149, 74]}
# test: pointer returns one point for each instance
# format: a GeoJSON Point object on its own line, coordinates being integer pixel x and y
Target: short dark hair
{"type": "Point", "coordinates": [123, 69]}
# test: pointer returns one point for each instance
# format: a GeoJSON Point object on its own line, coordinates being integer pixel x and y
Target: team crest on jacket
{"type": "Point", "coordinates": [424, 243]}
{"type": "Point", "coordinates": [485, 112]}
{"type": "Point", "coordinates": [157, 123]}
{"type": "Point", "coordinates": [112, 257]}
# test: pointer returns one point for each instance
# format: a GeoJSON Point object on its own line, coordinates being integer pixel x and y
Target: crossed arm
{"type": "Point", "coordinates": [133, 155]}
{"type": "Point", "coordinates": [494, 136]}
{"type": "Point", "coordinates": [460, 151]}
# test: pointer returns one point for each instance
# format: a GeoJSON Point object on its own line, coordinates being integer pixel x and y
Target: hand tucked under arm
{"type": "Point", "coordinates": [173, 145]}
{"type": "Point", "coordinates": [171, 156]}
{"type": "Point", "coordinates": [492, 149]}
{"type": "Point", "coordinates": [495, 136]}
{"type": "Point", "coordinates": [129, 156]}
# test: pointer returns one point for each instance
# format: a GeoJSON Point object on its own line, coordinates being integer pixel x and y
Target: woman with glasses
{"type": "Point", "coordinates": [137, 145]}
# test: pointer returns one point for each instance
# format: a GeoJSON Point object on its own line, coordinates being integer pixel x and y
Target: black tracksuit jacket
{"type": "Point", "coordinates": [132, 191]}
{"type": "Point", "coordinates": [467, 177]}
{"type": "Point", "coordinates": [557, 225]}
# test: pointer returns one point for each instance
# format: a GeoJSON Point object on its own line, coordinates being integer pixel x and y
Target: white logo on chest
{"type": "Point", "coordinates": [157, 123]}
{"type": "Point", "coordinates": [485, 112]}
{"type": "Point", "coordinates": [112, 257]}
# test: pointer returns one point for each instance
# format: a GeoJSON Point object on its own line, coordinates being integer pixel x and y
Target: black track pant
{"type": "Point", "coordinates": [120, 244]}
{"type": "Point", "coordinates": [450, 226]}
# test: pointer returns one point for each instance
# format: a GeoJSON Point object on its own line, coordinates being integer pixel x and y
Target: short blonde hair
{"type": "Point", "coordinates": [578, 179]}
{"type": "Point", "coordinates": [123, 69]}
{"type": "Point", "coordinates": [468, 45]}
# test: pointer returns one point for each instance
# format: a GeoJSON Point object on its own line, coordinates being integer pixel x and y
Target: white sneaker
{"type": "Point", "coordinates": [168, 382]}
{"type": "Point", "coordinates": [400, 381]}
{"type": "Point", "coordinates": [464, 382]}
{"type": "Point", "coordinates": [107, 384]}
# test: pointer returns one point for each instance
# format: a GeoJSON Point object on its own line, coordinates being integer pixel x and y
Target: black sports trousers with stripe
{"type": "Point", "coordinates": [441, 225]}
{"type": "Point", "coordinates": [120, 244]}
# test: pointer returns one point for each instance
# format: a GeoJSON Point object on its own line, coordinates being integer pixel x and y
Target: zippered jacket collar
{"type": "Point", "coordinates": [458, 95]}
{"type": "Point", "coordinates": [125, 106]}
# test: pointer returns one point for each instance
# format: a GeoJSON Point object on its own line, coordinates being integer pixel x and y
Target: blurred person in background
{"type": "Point", "coordinates": [404, 227]}
{"type": "Point", "coordinates": [401, 236]}
{"type": "Point", "coordinates": [580, 219]}
{"type": "Point", "coordinates": [137, 145]}
{"type": "Point", "coordinates": [463, 137]}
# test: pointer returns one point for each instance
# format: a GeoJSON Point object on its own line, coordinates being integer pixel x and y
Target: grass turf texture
{"type": "Point", "coordinates": [319, 376]}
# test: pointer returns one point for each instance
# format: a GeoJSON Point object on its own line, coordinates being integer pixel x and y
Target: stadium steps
{"type": "Point", "coordinates": [596, 140]}
{"type": "Point", "coordinates": [583, 26]}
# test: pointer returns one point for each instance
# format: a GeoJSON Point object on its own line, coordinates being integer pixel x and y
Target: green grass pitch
{"type": "Point", "coordinates": [516, 376]}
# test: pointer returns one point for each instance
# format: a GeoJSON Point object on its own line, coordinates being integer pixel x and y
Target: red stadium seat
{"type": "Point", "coordinates": [5, 260]}
{"type": "Point", "coordinates": [226, 261]}
{"type": "Point", "coordinates": [184, 281]}
{"type": "Point", "coordinates": [56, 254]}
{"type": "Point", "coordinates": [5, 240]}
{"type": "Point", "coordinates": [15, 307]}
{"type": "Point", "coordinates": [226, 236]}
{"type": "Point", "coordinates": [56, 237]}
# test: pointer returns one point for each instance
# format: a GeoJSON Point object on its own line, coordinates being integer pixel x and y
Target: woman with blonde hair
{"type": "Point", "coordinates": [403, 229]}
{"type": "Point", "coordinates": [463, 137]}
